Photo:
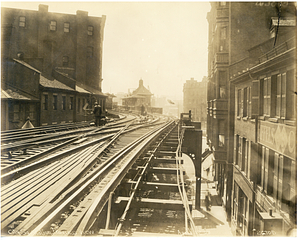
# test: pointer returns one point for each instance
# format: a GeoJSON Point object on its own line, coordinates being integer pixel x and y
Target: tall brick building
{"type": "Point", "coordinates": [194, 99]}
{"type": "Point", "coordinates": [251, 113]}
{"type": "Point", "coordinates": [51, 66]}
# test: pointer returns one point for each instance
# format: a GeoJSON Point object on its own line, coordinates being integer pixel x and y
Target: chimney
{"type": "Point", "coordinates": [82, 13]}
{"type": "Point", "coordinates": [141, 83]}
{"type": "Point", "coordinates": [43, 8]}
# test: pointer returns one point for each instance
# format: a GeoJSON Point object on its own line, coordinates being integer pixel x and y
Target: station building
{"type": "Point", "coordinates": [252, 114]}
{"type": "Point", "coordinates": [138, 98]}
{"type": "Point", "coordinates": [51, 66]}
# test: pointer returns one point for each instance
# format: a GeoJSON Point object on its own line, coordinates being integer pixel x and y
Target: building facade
{"type": "Point", "coordinates": [194, 99]}
{"type": "Point", "coordinates": [251, 69]}
{"type": "Point", "coordinates": [63, 52]}
{"type": "Point", "coordinates": [138, 98]}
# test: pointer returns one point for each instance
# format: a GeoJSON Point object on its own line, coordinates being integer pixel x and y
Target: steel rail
{"type": "Point", "coordinates": [88, 164]}
{"type": "Point", "coordinates": [92, 213]}
{"type": "Point", "coordinates": [28, 164]}
{"type": "Point", "coordinates": [110, 164]}
{"type": "Point", "coordinates": [123, 217]}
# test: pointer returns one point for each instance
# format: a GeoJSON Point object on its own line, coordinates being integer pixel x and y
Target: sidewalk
{"type": "Point", "coordinates": [211, 223]}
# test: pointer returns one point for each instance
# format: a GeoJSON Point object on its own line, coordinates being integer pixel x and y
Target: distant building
{"type": "Point", "coordinates": [51, 66]}
{"type": "Point", "coordinates": [251, 120]}
{"type": "Point", "coordinates": [194, 99]}
{"type": "Point", "coordinates": [140, 96]}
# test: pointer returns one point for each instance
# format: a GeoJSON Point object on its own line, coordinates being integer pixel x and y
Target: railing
{"type": "Point", "coordinates": [291, 43]}
{"type": "Point", "coordinates": [221, 57]}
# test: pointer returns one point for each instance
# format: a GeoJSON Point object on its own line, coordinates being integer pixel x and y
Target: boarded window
{"type": "Point", "coordinates": [52, 25]}
{"type": "Point", "coordinates": [90, 30]}
{"type": "Point", "coordinates": [54, 102]}
{"type": "Point", "coordinates": [71, 103]}
{"type": "Point", "coordinates": [65, 61]}
{"type": "Point", "coordinates": [89, 52]}
{"type": "Point", "coordinates": [22, 22]}
{"type": "Point", "coordinates": [66, 27]}
{"type": "Point", "coordinates": [63, 103]}
{"type": "Point", "coordinates": [45, 102]}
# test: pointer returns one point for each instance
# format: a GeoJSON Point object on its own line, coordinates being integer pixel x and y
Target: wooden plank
{"type": "Point", "coordinates": [156, 203]}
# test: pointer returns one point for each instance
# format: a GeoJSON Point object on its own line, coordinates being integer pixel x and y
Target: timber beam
{"type": "Point", "coordinates": [153, 203]}
{"type": "Point", "coordinates": [172, 187]}
{"type": "Point", "coordinates": [162, 170]}
{"type": "Point", "coordinates": [166, 160]}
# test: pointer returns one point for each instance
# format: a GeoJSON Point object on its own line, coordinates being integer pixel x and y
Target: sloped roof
{"type": "Point", "coordinates": [15, 94]}
{"type": "Point", "coordinates": [53, 84]}
{"type": "Point", "coordinates": [141, 90]}
{"type": "Point", "coordinates": [26, 65]}
{"type": "Point", "coordinates": [5, 95]}
{"type": "Point", "coordinates": [81, 90]}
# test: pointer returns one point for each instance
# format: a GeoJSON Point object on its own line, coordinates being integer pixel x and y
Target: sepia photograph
{"type": "Point", "coordinates": [148, 119]}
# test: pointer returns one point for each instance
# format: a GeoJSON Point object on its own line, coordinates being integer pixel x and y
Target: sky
{"type": "Point", "coordinates": [163, 43]}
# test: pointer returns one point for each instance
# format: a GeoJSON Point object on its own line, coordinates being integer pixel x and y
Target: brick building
{"type": "Point", "coordinates": [58, 57]}
{"type": "Point", "coordinates": [251, 130]}
{"type": "Point", "coordinates": [194, 99]}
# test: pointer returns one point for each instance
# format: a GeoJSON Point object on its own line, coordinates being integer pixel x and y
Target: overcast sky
{"type": "Point", "coordinates": [164, 43]}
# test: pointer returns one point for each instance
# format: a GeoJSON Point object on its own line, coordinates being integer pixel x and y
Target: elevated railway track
{"type": "Point", "coordinates": [69, 189]}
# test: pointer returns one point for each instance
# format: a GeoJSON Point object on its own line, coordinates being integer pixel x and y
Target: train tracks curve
{"type": "Point", "coordinates": [64, 190]}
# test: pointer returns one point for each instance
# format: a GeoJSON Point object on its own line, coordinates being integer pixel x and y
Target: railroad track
{"type": "Point", "coordinates": [23, 152]}
{"type": "Point", "coordinates": [40, 203]}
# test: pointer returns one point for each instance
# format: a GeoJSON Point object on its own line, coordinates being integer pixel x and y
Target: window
{"type": "Point", "coordinates": [22, 22]}
{"type": "Point", "coordinates": [83, 103]}
{"type": "Point", "coordinates": [221, 133]}
{"type": "Point", "coordinates": [89, 52]}
{"type": "Point", "coordinates": [78, 105]}
{"type": "Point", "coordinates": [90, 30]}
{"type": "Point", "coordinates": [236, 149]}
{"type": "Point", "coordinates": [63, 103]}
{"type": "Point", "coordinates": [222, 84]}
{"type": "Point", "coordinates": [54, 102]}
{"type": "Point", "coordinates": [223, 4]}
{"type": "Point", "coordinates": [66, 27]}
{"type": "Point", "coordinates": [65, 61]}
{"type": "Point", "coordinates": [239, 103]}
{"type": "Point", "coordinates": [52, 25]}
{"type": "Point", "coordinates": [240, 146]}
{"type": "Point", "coordinates": [267, 170]}
{"type": "Point", "coordinates": [291, 96]}
{"type": "Point", "coordinates": [247, 102]}
{"type": "Point", "coordinates": [223, 33]}
{"type": "Point", "coordinates": [71, 103]}
{"type": "Point", "coordinates": [267, 96]}
{"type": "Point", "coordinates": [45, 102]}
{"type": "Point", "coordinates": [16, 112]}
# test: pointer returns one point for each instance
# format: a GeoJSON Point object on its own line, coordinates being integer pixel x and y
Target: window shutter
{"type": "Point", "coordinates": [275, 180]}
{"type": "Point", "coordinates": [263, 166]}
{"type": "Point", "coordinates": [240, 152]}
{"type": "Point", "coordinates": [236, 138]}
{"type": "Point", "coordinates": [293, 179]}
{"type": "Point", "coordinates": [255, 98]}
{"type": "Point", "coordinates": [249, 102]}
{"type": "Point", "coordinates": [278, 96]}
{"type": "Point", "coordinates": [283, 96]}
{"type": "Point", "coordinates": [280, 178]}
{"type": "Point", "coordinates": [266, 169]}
{"type": "Point", "coordinates": [242, 103]}
{"type": "Point", "coordinates": [246, 156]}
